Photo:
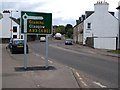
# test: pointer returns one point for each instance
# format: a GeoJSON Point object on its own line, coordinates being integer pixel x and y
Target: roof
{"type": "Point", "coordinates": [88, 13]}
{"type": "Point", "coordinates": [6, 11]}
{"type": "Point", "coordinates": [112, 13]}
{"type": "Point", "coordinates": [15, 20]}
{"type": "Point", "coordinates": [118, 7]}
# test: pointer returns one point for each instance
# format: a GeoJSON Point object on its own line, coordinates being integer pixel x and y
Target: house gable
{"type": "Point", "coordinates": [102, 26]}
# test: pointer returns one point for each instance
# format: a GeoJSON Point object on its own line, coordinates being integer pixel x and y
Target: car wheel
{"type": "Point", "coordinates": [27, 51]}
{"type": "Point", "coordinates": [12, 51]}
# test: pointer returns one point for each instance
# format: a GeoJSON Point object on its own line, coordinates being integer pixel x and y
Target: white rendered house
{"type": "Point", "coordinates": [9, 26]}
{"type": "Point", "coordinates": [5, 25]}
{"type": "Point", "coordinates": [102, 27]}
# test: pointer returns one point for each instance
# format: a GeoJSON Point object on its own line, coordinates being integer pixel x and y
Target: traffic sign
{"type": "Point", "coordinates": [36, 22]}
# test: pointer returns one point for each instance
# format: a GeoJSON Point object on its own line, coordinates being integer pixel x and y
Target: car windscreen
{"type": "Point", "coordinates": [69, 40]}
{"type": "Point", "coordinates": [19, 42]}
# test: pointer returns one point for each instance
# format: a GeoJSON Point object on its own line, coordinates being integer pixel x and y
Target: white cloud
{"type": "Point", "coordinates": [62, 10]}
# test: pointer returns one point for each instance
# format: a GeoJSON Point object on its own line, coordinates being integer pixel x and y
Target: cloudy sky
{"type": "Point", "coordinates": [63, 11]}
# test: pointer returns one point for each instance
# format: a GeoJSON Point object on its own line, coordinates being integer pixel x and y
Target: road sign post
{"type": "Point", "coordinates": [35, 23]}
{"type": "Point", "coordinates": [46, 52]}
{"type": "Point", "coordinates": [25, 40]}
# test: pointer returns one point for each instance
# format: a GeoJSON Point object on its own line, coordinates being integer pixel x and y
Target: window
{"type": "Point", "coordinates": [14, 36]}
{"type": "Point", "coordinates": [88, 25]}
{"type": "Point", "coordinates": [21, 36]}
{"type": "Point", "coordinates": [14, 28]}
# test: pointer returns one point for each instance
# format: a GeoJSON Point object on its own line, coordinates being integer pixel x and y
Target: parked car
{"type": "Point", "coordinates": [68, 42]}
{"type": "Point", "coordinates": [17, 46]}
{"type": "Point", "coordinates": [10, 43]}
{"type": "Point", "coordinates": [42, 39]}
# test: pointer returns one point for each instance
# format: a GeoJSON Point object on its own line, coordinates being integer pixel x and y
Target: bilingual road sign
{"type": "Point", "coordinates": [36, 22]}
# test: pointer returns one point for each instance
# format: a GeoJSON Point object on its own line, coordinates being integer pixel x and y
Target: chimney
{"type": "Point", "coordinates": [77, 22]}
{"type": "Point", "coordinates": [6, 11]}
{"type": "Point", "coordinates": [101, 6]}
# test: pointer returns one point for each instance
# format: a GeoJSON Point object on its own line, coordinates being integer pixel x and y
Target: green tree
{"type": "Point", "coordinates": [69, 31]}
{"type": "Point", "coordinates": [60, 29]}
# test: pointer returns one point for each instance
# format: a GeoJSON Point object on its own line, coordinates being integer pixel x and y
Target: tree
{"type": "Point", "coordinates": [69, 30]}
{"type": "Point", "coordinates": [59, 29]}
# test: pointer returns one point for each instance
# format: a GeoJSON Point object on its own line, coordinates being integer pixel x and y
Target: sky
{"type": "Point", "coordinates": [63, 11]}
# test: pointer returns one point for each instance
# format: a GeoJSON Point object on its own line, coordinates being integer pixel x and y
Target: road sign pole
{"type": "Point", "coordinates": [25, 41]}
{"type": "Point", "coordinates": [46, 50]}
{"type": "Point", "coordinates": [25, 55]}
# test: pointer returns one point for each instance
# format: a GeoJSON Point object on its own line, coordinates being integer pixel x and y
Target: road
{"type": "Point", "coordinates": [100, 69]}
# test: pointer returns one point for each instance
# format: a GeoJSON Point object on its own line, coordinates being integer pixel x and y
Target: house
{"type": "Point", "coordinates": [78, 30]}
{"type": "Point", "coordinates": [10, 27]}
{"type": "Point", "coordinates": [5, 26]}
{"type": "Point", "coordinates": [16, 28]}
{"type": "Point", "coordinates": [101, 28]}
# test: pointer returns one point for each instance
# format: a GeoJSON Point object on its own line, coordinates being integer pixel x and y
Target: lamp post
{"type": "Point", "coordinates": [11, 22]}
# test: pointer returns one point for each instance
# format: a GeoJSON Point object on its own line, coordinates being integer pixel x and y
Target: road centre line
{"type": "Point", "coordinates": [37, 54]}
{"type": "Point", "coordinates": [42, 57]}
{"type": "Point", "coordinates": [99, 84]}
{"type": "Point", "coordinates": [50, 61]}
{"type": "Point", "coordinates": [68, 50]}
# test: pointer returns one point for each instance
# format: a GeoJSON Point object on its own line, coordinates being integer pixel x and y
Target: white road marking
{"type": "Point", "coordinates": [80, 78]}
{"type": "Point", "coordinates": [38, 85]}
{"type": "Point", "coordinates": [50, 61]}
{"type": "Point", "coordinates": [84, 83]}
{"type": "Point", "coordinates": [42, 57]}
{"type": "Point", "coordinates": [37, 55]}
{"type": "Point", "coordinates": [77, 74]}
{"type": "Point", "coordinates": [99, 84]}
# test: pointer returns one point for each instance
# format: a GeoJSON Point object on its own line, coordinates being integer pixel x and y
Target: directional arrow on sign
{"type": "Point", "coordinates": [25, 16]}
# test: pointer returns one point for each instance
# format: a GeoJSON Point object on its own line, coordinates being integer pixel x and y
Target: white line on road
{"type": "Point", "coordinates": [38, 85]}
{"type": "Point", "coordinates": [50, 61]}
{"type": "Point", "coordinates": [84, 83]}
{"type": "Point", "coordinates": [81, 79]}
{"type": "Point", "coordinates": [99, 84]}
{"type": "Point", "coordinates": [77, 74]}
{"type": "Point", "coordinates": [37, 55]}
{"type": "Point", "coordinates": [42, 57]}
